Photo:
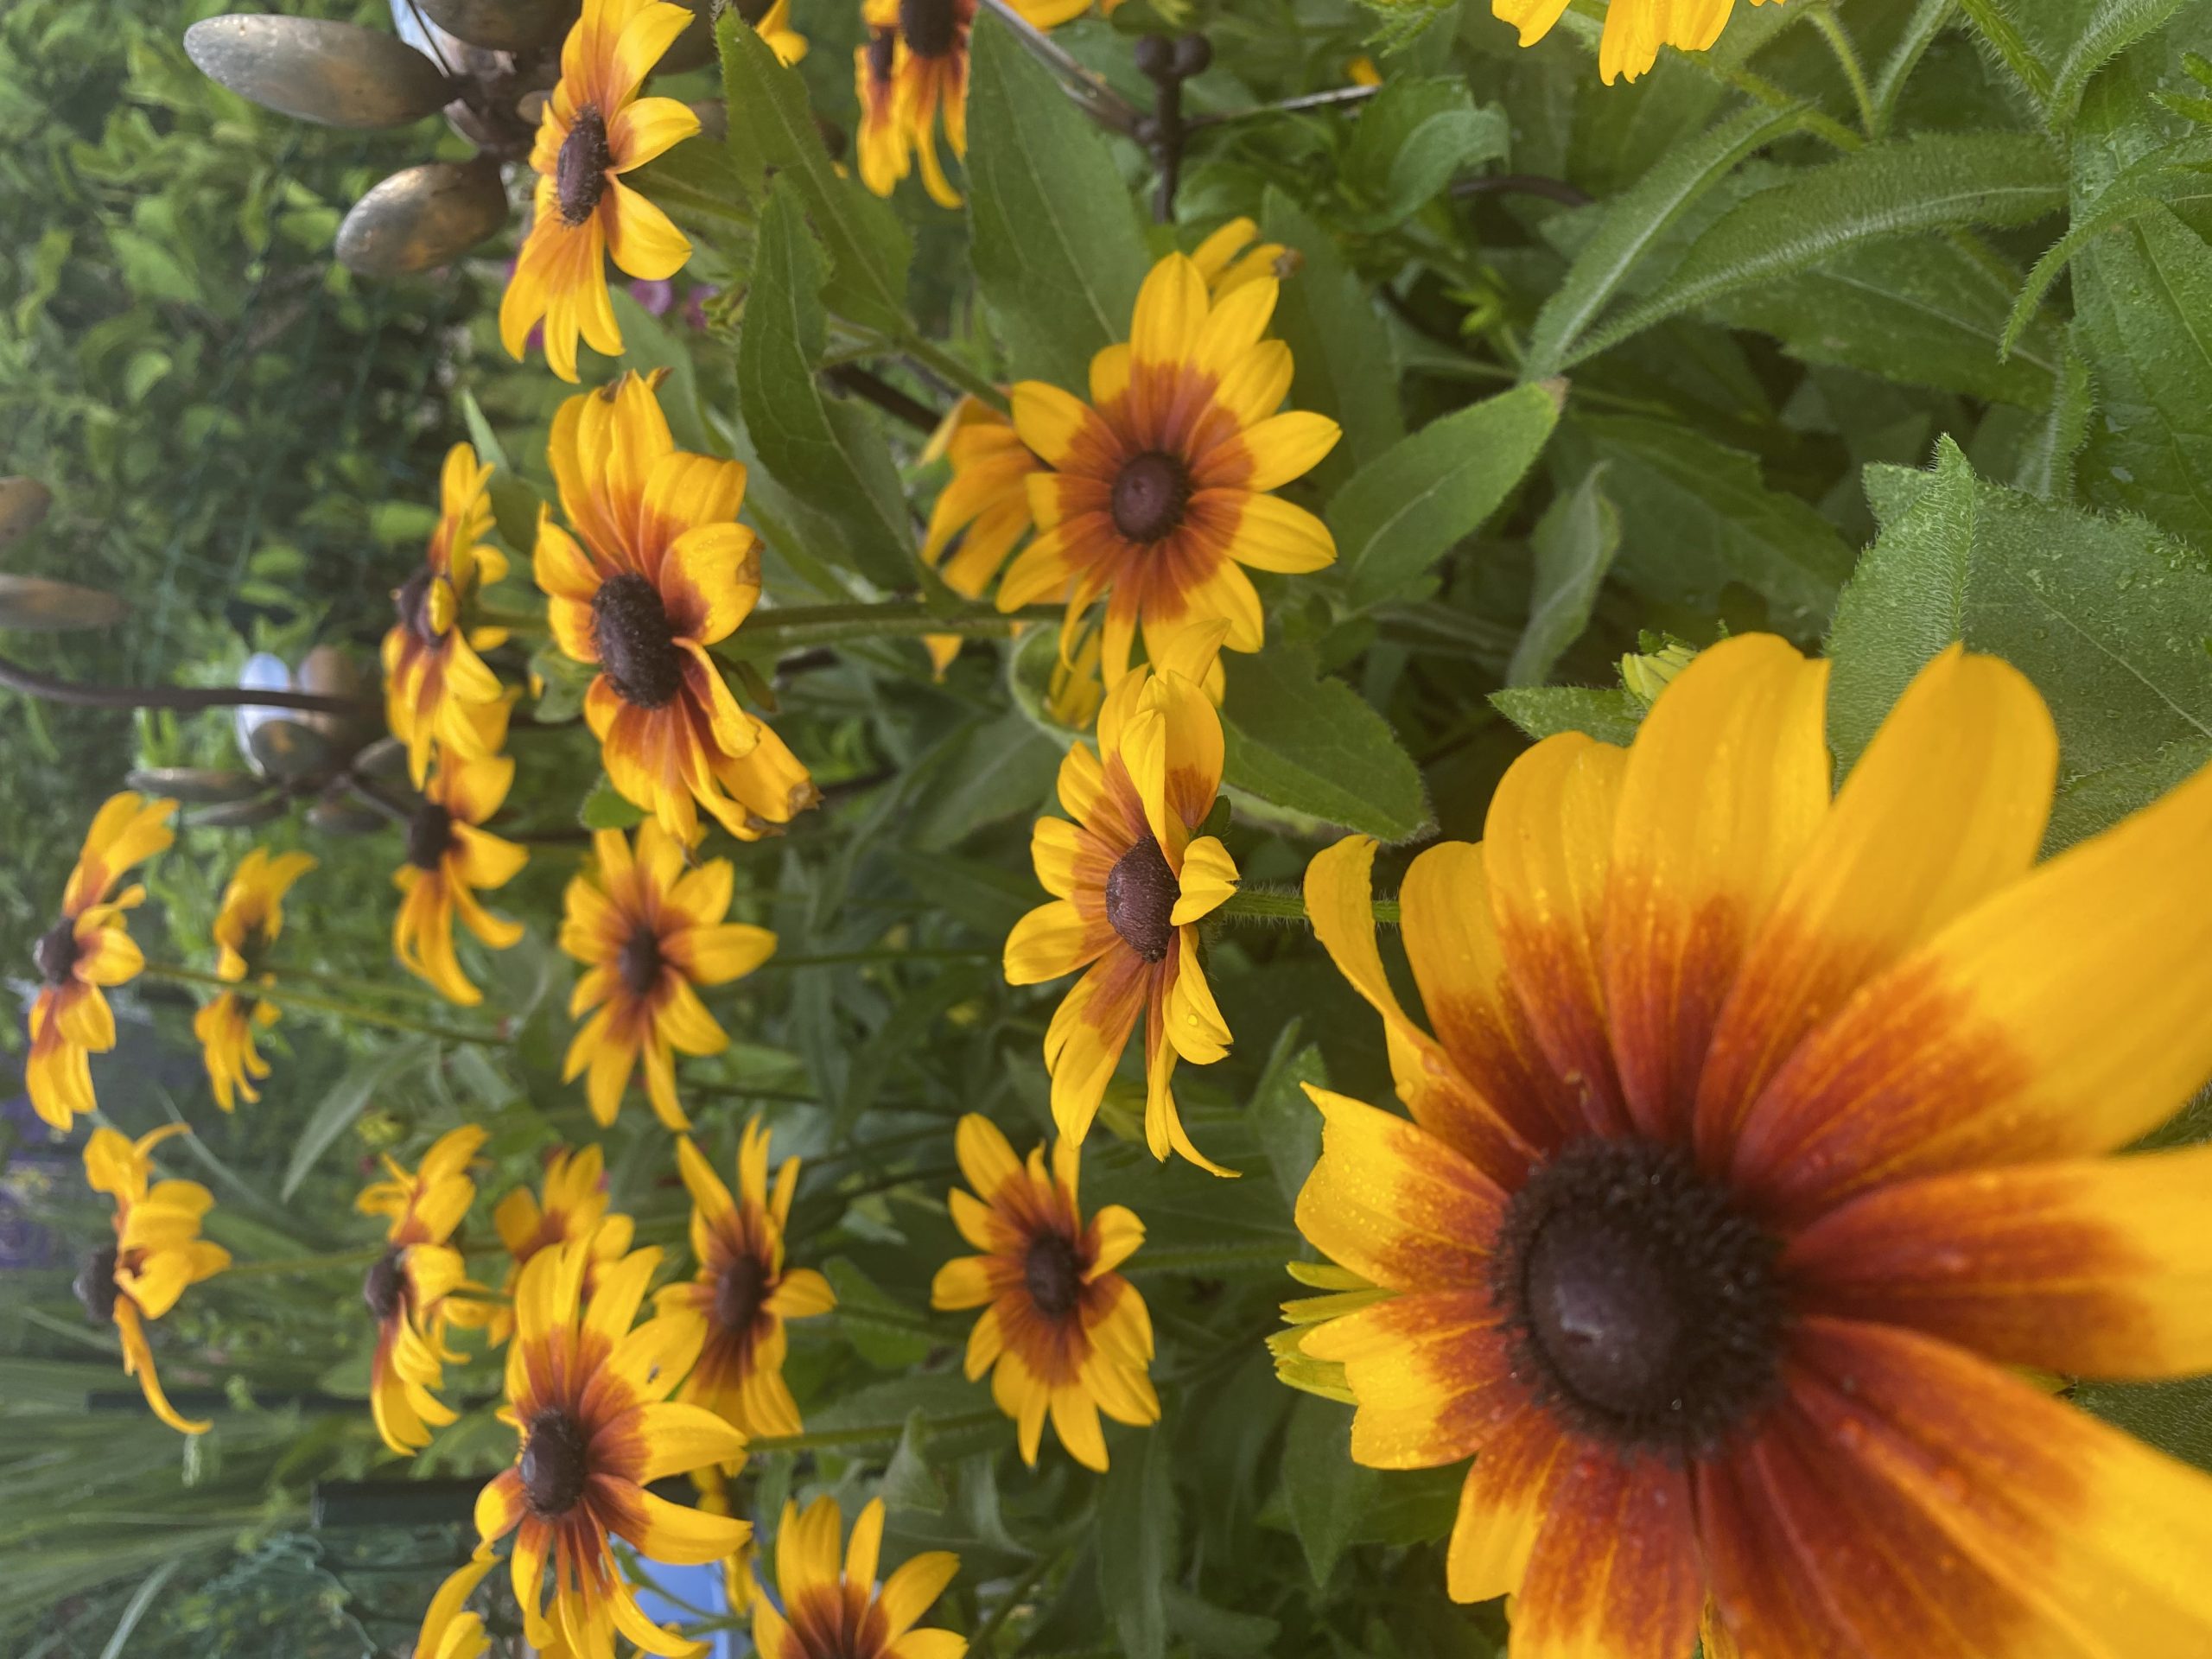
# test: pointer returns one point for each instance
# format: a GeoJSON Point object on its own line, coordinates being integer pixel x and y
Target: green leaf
{"type": "Point", "coordinates": [489, 449]}
{"type": "Point", "coordinates": [2175, 1417]}
{"type": "Point", "coordinates": [1697, 518]}
{"type": "Point", "coordinates": [1410, 138]}
{"type": "Point", "coordinates": [999, 768]}
{"type": "Point", "coordinates": [1574, 543]}
{"type": "Point", "coordinates": [1635, 220]}
{"type": "Point", "coordinates": [1211, 1629]}
{"type": "Point", "coordinates": [1341, 351]}
{"type": "Point", "coordinates": [1937, 180]}
{"type": "Point", "coordinates": [909, 1482]}
{"type": "Point", "coordinates": [1324, 1492]}
{"type": "Point", "coordinates": [886, 1335]}
{"type": "Point", "coordinates": [1137, 1545]}
{"type": "Point", "coordinates": [1058, 253]}
{"type": "Point", "coordinates": [1926, 312]}
{"type": "Point", "coordinates": [2111, 27]}
{"type": "Point", "coordinates": [336, 1111]}
{"type": "Point", "coordinates": [2109, 617]}
{"type": "Point", "coordinates": [1313, 745]}
{"type": "Point", "coordinates": [772, 130]}
{"type": "Point", "coordinates": [605, 808]}
{"type": "Point", "coordinates": [1544, 711]}
{"type": "Point", "coordinates": [1403, 512]}
{"type": "Point", "coordinates": [826, 455]}
{"type": "Point", "coordinates": [1282, 1117]}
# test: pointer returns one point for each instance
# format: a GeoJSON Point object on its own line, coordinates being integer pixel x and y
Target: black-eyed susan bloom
{"type": "Point", "coordinates": [1759, 1139]}
{"type": "Point", "coordinates": [437, 690]}
{"type": "Point", "coordinates": [1131, 879]}
{"type": "Point", "coordinates": [1157, 493]}
{"type": "Point", "coordinates": [650, 932]}
{"type": "Point", "coordinates": [982, 512]}
{"type": "Point", "coordinates": [573, 1210]}
{"type": "Point", "coordinates": [247, 923]}
{"type": "Point", "coordinates": [832, 1612]}
{"type": "Point", "coordinates": [587, 1397]}
{"type": "Point", "coordinates": [451, 857]}
{"type": "Point", "coordinates": [156, 1253]}
{"type": "Point", "coordinates": [1061, 1331]}
{"type": "Point", "coordinates": [88, 949]}
{"type": "Point", "coordinates": [663, 571]}
{"type": "Point", "coordinates": [1634, 32]}
{"type": "Point", "coordinates": [743, 1291]}
{"type": "Point", "coordinates": [412, 1290]}
{"type": "Point", "coordinates": [596, 128]}
{"type": "Point", "coordinates": [912, 73]}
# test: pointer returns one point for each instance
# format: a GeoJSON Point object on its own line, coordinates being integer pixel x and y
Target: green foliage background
{"type": "Point", "coordinates": [1877, 348]}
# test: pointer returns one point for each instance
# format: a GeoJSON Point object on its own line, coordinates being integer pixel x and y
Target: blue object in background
{"type": "Point", "coordinates": [700, 1590]}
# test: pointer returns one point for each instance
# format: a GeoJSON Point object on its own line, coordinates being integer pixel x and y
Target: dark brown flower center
{"type": "Point", "coordinates": [636, 647]}
{"type": "Point", "coordinates": [556, 1462]}
{"type": "Point", "coordinates": [882, 47]}
{"type": "Point", "coordinates": [1149, 496]}
{"type": "Point", "coordinates": [740, 1292]}
{"type": "Point", "coordinates": [580, 175]}
{"type": "Point", "coordinates": [1052, 1275]}
{"type": "Point", "coordinates": [430, 836]}
{"type": "Point", "coordinates": [95, 1284]}
{"type": "Point", "coordinates": [1140, 894]}
{"type": "Point", "coordinates": [1643, 1310]}
{"type": "Point", "coordinates": [385, 1288]}
{"type": "Point", "coordinates": [931, 26]}
{"type": "Point", "coordinates": [640, 961]}
{"type": "Point", "coordinates": [411, 601]}
{"type": "Point", "coordinates": [55, 953]}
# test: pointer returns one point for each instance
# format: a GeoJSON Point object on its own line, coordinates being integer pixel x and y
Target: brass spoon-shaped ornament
{"type": "Point", "coordinates": [423, 216]}
{"type": "Point", "coordinates": [335, 74]}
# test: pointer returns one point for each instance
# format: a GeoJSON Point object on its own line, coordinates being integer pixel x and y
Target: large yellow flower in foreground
{"type": "Point", "coordinates": [665, 570]}
{"type": "Point", "coordinates": [1760, 1140]}
{"type": "Point", "coordinates": [587, 1396]}
{"type": "Point", "coordinates": [88, 948]}
{"type": "Point", "coordinates": [1635, 30]}
{"type": "Point", "coordinates": [649, 932]}
{"type": "Point", "coordinates": [915, 60]}
{"type": "Point", "coordinates": [157, 1252]}
{"type": "Point", "coordinates": [450, 856]}
{"type": "Point", "coordinates": [1158, 490]}
{"type": "Point", "coordinates": [1066, 1332]}
{"type": "Point", "coordinates": [743, 1291]}
{"type": "Point", "coordinates": [596, 128]}
{"type": "Point", "coordinates": [410, 1289]}
{"type": "Point", "coordinates": [573, 1211]}
{"type": "Point", "coordinates": [832, 1614]}
{"type": "Point", "coordinates": [249, 918]}
{"type": "Point", "coordinates": [436, 687]}
{"type": "Point", "coordinates": [1131, 880]}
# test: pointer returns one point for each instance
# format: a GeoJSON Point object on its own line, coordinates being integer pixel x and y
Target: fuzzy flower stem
{"type": "Point", "coordinates": [284, 997]}
{"type": "Point", "coordinates": [772, 633]}
{"type": "Point", "coordinates": [1258, 904]}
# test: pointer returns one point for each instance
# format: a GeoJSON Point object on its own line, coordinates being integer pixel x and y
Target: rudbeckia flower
{"type": "Point", "coordinates": [743, 1291]}
{"type": "Point", "coordinates": [1759, 1140]}
{"type": "Point", "coordinates": [1064, 1331]}
{"type": "Point", "coordinates": [450, 856]}
{"type": "Point", "coordinates": [649, 933]}
{"type": "Point", "coordinates": [449, 1629]}
{"type": "Point", "coordinates": [411, 1288]}
{"type": "Point", "coordinates": [776, 33]}
{"type": "Point", "coordinates": [1156, 493]}
{"type": "Point", "coordinates": [247, 923]}
{"type": "Point", "coordinates": [914, 68]}
{"type": "Point", "coordinates": [1131, 880]}
{"type": "Point", "coordinates": [832, 1614]}
{"type": "Point", "coordinates": [88, 948]}
{"type": "Point", "coordinates": [982, 512]}
{"type": "Point", "coordinates": [664, 571]}
{"type": "Point", "coordinates": [436, 687]}
{"type": "Point", "coordinates": [573, 1211]}
{"type": "Point", "coordinates": [1635, 30]}
{"type": "Point", "coordinates": [587, 1396]}
{"type": "Point", "coordinates": [596, 129]}
{"type": "Point", "coordinates": [157, 1252]}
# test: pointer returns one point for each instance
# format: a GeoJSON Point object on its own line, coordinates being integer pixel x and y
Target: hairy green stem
{"type": "Point", "coordinates": [1846, 56]}
{"type": "Point", "coordinates": [787, 628]}
{"type": "Point", "coordinates": [332, 1263]}
{"type": "Point", "coordinates": [264, 991]}
{"type": "Point", "coordinates": [1285, 904]}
